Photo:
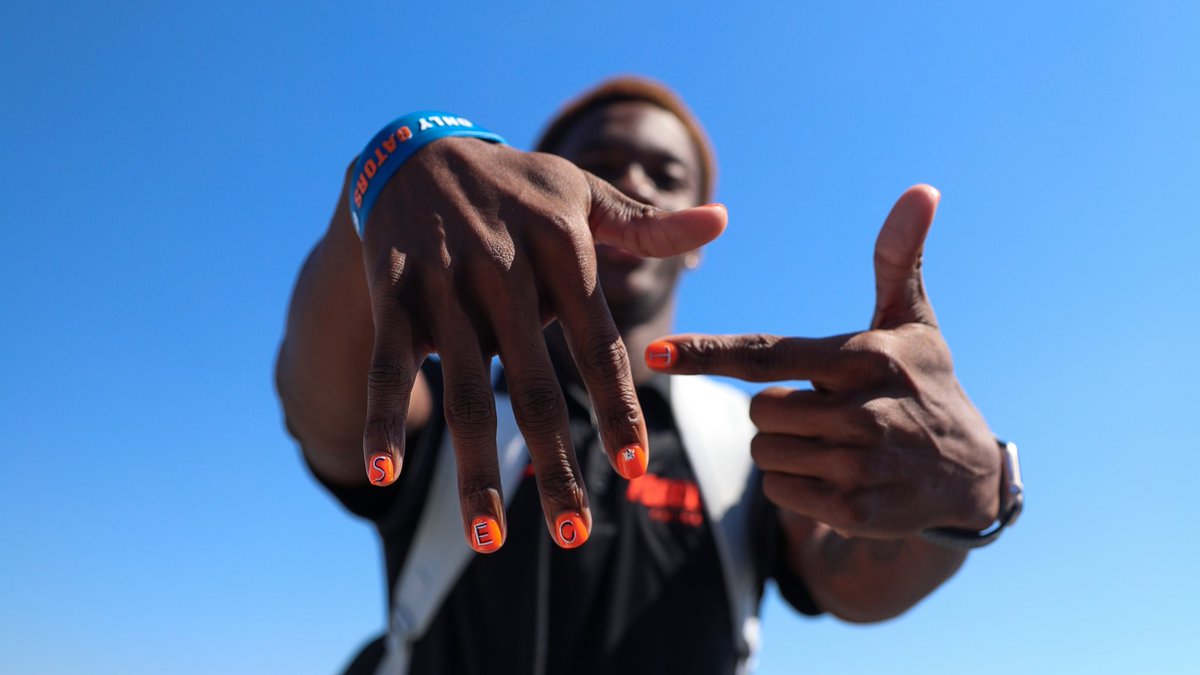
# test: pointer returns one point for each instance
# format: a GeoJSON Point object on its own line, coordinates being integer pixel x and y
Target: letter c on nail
{"type": "Point", "coordinates": [566, 530]}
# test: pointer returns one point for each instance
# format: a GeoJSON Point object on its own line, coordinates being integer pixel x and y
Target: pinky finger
{"type": "Point", "coordinates": [389, 387]}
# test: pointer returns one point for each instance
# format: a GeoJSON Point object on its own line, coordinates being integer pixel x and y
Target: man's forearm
{"type": "Point", "coordinates": [865, 580]}
{"type": "Point", "coordinates": [322, 368]}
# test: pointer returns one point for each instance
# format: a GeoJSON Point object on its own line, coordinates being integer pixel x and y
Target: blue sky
{"type": "Point", "coordinates": [165, 168]}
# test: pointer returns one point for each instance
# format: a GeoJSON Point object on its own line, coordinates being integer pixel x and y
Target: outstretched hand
{"type": "Point", "coordinates": [470, 250]}
{"type": "Point", "coordinates": [887, 443]}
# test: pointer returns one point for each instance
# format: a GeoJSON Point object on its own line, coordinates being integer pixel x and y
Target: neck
{"type": "Point", "coordinates": [637, 336]}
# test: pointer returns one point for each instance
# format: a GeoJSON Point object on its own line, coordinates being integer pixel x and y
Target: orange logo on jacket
{"type": "Point", "coordinates": [667, 499]}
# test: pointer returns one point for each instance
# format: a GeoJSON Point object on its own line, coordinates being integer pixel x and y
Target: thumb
{"type": "Point", "coordinates": [617, 220]}
{"type": "Point", "coordinates": [899, 288]}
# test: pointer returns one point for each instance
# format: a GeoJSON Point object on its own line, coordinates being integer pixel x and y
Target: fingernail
{"type": "Point", "coordinates": [570, 530]}
{"type": "Point", "coordinates": [381, 470]}
{"type": "Point", "coordinates": [631, 461]}
{"type": "Point", "coordinates": [714, 205]}
{"type": "Point", "coordinates": [661, 354]}
{"type": "Point", "coordinates": [485, 535]}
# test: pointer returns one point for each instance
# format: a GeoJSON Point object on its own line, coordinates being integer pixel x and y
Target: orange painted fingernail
{"type": "Point", "coordinates": [485, 535]}
{"type": "Point", "coordinates": [570, 530]}
{"type": "Point", "coordinates": [632, 461]}
{"type": "Point", "coordinates": [661, 354]}
{"type": "Point", "coordinates": [381, 470]}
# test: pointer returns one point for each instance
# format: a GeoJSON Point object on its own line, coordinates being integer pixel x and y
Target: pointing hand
{"type": "Point", "coordinates": [887, 443]}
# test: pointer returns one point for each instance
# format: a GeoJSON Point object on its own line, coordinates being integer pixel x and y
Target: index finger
{"type": "Point", "coordinates": [755, 357]}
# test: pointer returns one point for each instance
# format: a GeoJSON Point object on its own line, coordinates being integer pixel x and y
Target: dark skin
{"type": "Point", "coordinates": [886, 446]}
{"type": "Point", "coordinates": [470, 251]}
{"type": "Point", "coordinates": [646, 153]}
{"type": "Point", "coordinates": [888, 426]}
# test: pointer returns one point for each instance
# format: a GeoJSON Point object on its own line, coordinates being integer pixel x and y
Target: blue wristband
{"type": "Point", "coordinates": [392, 146]}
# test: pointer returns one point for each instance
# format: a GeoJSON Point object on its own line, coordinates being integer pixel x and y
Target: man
{"type": "Point", "coordinates": [473, 248]}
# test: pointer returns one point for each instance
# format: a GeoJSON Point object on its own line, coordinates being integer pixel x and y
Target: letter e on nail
{"type": "Point", "coordinates": [482, 536]}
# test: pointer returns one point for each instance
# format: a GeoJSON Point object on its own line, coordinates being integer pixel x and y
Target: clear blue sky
{"type": "Point", "coordinates": [164, 167]}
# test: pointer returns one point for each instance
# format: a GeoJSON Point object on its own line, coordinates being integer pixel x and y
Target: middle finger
{"type": "Point", "coordinates": [540, 409]}
{"type": "Point", "coordinates": [470, 411]}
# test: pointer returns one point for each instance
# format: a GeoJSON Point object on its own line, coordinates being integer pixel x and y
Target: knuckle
{"type": "Point", "coordinates": [443, 262]}
{"type": "Point", "coordinates": [760, 448]}
{"type": "Point", "coordinates": [862, 468]}
{"type": "Point", "coordinates": [621, 414]}
{"type": "Point", "coordinates": [385, 369]}
{"type": "Point", "coordinates": [470, 411]}
{"type": "Point", "coordinates": [701, 351]}
{"type": "Point", "coordinates": [631, 208]}
{"type": "Point", "coordinates": [381, 429]}
{"type": "Point", "coordinates": [641, 210]}
{"type": "Point", "coordinates": [539, 407]}
{"type": "Point", "coordinates": [605, 356]}
{"type": "Point", "coordinates": [858, 509]}
{"type": "Point", "coordinates": [560, 484]}
{"type": "Point", "coordinates": [391, 302]}
{"type": "Point", "coordinates": [474, 482]}
{"type": "Point", "coordinates": [928, 348]}
{"type": "Point", "coordinates": [376, 426]}
{"type": "Point", "coordinates": [488, 251]}
{"type": "Point", "coordinates": [560, 222]}
{"type": "Point", "coordinates": [387, 378]}
{"type": "Point", "coordinates": [566, 232]}
{"type": "Point", "coordinates": [880, 341]}
{"type": "Point", "coordinates": [768, 404]}
{"type": "Point", "coordinates": [756, 355]}
{"type": "Point", "coordinates": [551, 175]}
{"type": "Point", "coordinates": [498, 255]}
{"type": "Point", "coordinates": [388, 271]}
{"type": "Point", "coordinates": [772, 488]}
{"type": "Point", "coordinates": [875, 415]}
{"type": "Point", "coordinates": [878, 352]}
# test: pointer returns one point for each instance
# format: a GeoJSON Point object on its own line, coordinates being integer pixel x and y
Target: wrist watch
{"type": "Point", "coordinates": [1012, 500]}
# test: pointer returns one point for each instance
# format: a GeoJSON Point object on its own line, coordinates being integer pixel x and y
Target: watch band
{"type": "Point", "coordinates": [1012, 501]}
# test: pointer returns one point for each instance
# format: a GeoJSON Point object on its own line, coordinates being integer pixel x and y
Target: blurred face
{"type": "Point", "coordinates": [645, 152]}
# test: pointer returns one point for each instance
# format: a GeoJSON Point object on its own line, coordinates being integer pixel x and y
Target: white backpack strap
{"type": "Point", "coordinates": [438, 553]}
{"type": "Point", "coordinates": [714, 424]}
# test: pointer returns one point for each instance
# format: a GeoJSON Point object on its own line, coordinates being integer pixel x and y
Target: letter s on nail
{"type": "Point", "coordinates": [375, 466]}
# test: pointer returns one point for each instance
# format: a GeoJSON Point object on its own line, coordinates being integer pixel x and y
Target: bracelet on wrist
{"type": "Point", "coordinates": [393, 145]}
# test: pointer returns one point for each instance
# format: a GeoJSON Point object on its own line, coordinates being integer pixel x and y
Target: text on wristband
{"type": "Point", "coordinates": [388, 146]}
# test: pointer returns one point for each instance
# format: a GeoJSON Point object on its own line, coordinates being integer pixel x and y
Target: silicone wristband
{"type": "Point", "coordinates": [393, 145]}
